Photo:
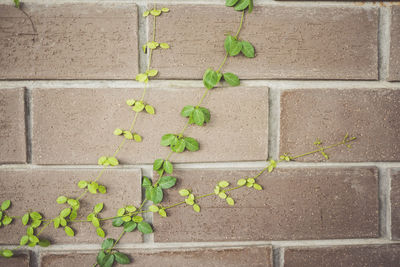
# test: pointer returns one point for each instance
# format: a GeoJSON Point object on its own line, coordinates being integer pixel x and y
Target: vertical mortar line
{"type": "Point", "coordinates": [273, 122]}
{"type": "Point", "coordinates": [28, 123]}
{"type": "Point", "coordinates": [384, 42]}
{"type": "Point", "coordinates": [389, 205]}
{"type": "Point", "coordinates": [276, 256]}
{"type": "Point", "coordinates": [384, 229]}
{"type": "Point", "coordinates": [35, 257]}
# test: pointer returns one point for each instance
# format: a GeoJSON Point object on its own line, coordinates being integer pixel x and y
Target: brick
{"type": "Point", "coordinates": [372, 115]}
{"type": "Point", "coordinates": [314, 203]}
{"type": "Point", "coordinates": [245, 256]}
{"type": "Point", "coordinates": [38, 189]}
{"type": "Point", "coordinates": [81, 127]}
{"type": "Point", "coordinates": [395, 203]}
{"type": "Point", "coordinates": [20, 259]}
{"type": "Point", "coordinates": [394, 61]}
{"type": "Point", "coordinates": [290, 42]}
{"type": "Point", "coordinates": [74, 41]}
{"type": "Point", "coordinates": [355, 256]}
{"type": "Point", "coordinates": [12, 126]}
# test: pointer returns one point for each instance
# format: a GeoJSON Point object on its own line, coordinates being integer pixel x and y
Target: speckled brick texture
{"type": "Point", "coordinates": [20, 259]}
{"type": "Point", "coordinates": [73, 41]}
{"type": "Point", "coordinates": [82, 126]}
{"type": "Point", "coordinates": [38, 189]}
{"type": "Point", "coordinates": [312, 203]}
{"type": "Point", "coordinates": [355, 256]}
{"type": "Point", "coordinates": [291, 42]}
{"type": "Point", "coordinates": [12, 126]}
{"type": "Point", "coordinates": [394, 66]}
{"type": "Point", "coordinates": [395, 202]}
{"type": "Point", "coordinates": [257, 256]}
{"type": "Point", "coordinates": [371, 115]}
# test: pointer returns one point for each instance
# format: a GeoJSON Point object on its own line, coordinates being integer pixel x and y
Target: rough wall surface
{"type": "Point", "coordinates": [322, 69]}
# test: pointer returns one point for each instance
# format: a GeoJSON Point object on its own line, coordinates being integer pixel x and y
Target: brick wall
{"type": "Point", "coordinates": [321, 69]}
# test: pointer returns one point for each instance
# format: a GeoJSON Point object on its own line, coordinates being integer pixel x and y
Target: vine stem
{"type": "Point", "coordinates": [240, 25]}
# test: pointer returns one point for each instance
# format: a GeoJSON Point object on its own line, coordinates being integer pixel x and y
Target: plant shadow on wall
{"type": "Point", "coordinates": [130, 218]}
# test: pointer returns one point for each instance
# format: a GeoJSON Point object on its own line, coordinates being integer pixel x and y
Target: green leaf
{"type": "Point", "coordinates": [156, 194]}
{"type": "Point", "coordinates": [93, 188]}
{"type": "Point", "coordinates": [222, 195]}
{"type": "Point", "coordinates": [142, 77]}
{"type": "Point", "coordinates": [167, 139]}
{"type": "Point", "coordinates": [230, 201]}
{"type": "Point", "coordinates": [187, 111]}
{"type": "Point", "coordinates": [242, 4]}
{"type": "Point", "coordinates": [117, 222]}
{"type": "Point", "coordinates": [210, 78]}
{"type": "Point", "coordinates": [100, 257]}
{"type": "Point", "coordinates": [130, 102]}
{"type": "Point", "coordinates": [113, 161]}
{"type": "Point", "coordinates": [102, 189]}
{"type": "Point", "coordinates": [189, 201]}
{"type": "Point", "coordinates": [5, 205]}
{"type": "Point", "coordinates": [82, 184]}
{"type": "Point", "coordinates": [35, 223]}
{"type": "Point", "coordinates": [251, 180]}
{"type": "Point", "coordinates": [157, 164]}
{"type": "Point", "coordinates": [65, 212]}
{"type": "Point", "coordinates": [108, 243]}
{"type": "Point", "coordinates": [146, 182]}
{"type": "Point", "coordinates": [126, 218]}
{"type": "Point", "coordinates": [25, 219]}
{"type": "Point", "coordinates": [108, 260]}
{"type": "Point", "coordinates": [165, 9]}
{"type": "Point", "coordinates": [251, 5]}
{"type": "Point", "coordinates": [129, 226]}
{"type": "Point", "coordinates": [241, 182]}
{"type": "Point", "coordinates": [35, 215]}
{"type": "Point", "coordinates": [137, 219]}
{"type": "Point", "coordinates": [196, 208]}
{"type": "Point", "coordinates": [63, 222]}
{"type": "Point", "coordinates": [231, 2]}
{"type": "Point", "coordinates": [33, 239]}
{"type": "Point", "coordinates": [122, 258]}
{"type": "Point", "coordinates": [95, 221]}
{"type": "Point", "coordinates": [17, 3]}
{"type": "Point", "coordinates": [29, 231]}
{"type": "Point", "coordinates": [257, 186]}
{"type": "Point", "coordinates": [24, 240]}
{"type": "Point", "coordinates": [166, 182]}
{"type": "Point", "coordinates": [164, 45]}
{"type": "Point", "coordinates": [198, 117]}
{"type": "Point", "coordinates": [155, 12]}
{"type": "Point", "coordinates": [231, 78]}
{"type": "Point", "coordinates": [128, 135]}
{"type": "Point", "coordinates": [206, 113]}
{"type": "Point", "coordinates": [247, 49]}
{"type": "Point", "coordinates": [121, 212]}
{"type": "Point", "coordinates": [191, 144]}
{"type": "Point", "coordinates": [73, 214]}
{"type": "Point", "coordinates": [6, 253]}
{"type": "Point", "coordinates": [223, 184]}
{"type": "Point", "coordinates": [162, 213]}
{"type": "Point", "coordinates": [117, 131]}
{"type": "Point", "coordinates": [150, 109]}
{"type": "Point", "coordinates": [232, 46]}
{"type": "Point", "coordinates": [56, 222]}
{"type": "Point", "coordinates": [179, 146]}
{"type": "Point", "coordinates": [68, 230]}
{"type": "Point", "coordinates": [145, 14]}
{"type": "Point", "coordinates": [145, 227]}
{"type": "Point", "coordinates": [130, 208]}
{"type": "Point", "coordinates": [138, 107]}
{"type": "Point", "coordinates": [151, 73]}
{"type": "Point", "coordinates": [44, 243]}
{"type": "Point", "coordinates": [137, 138]}
{"type": "Point", "coordinates": [7, 220]}
{"type": "Point", "coordinates": [184, 192]}
{"type": "Point", "coordinates": [102, 160]}
{"type": "Point", "coordinates": [1, 215]}
{"type": "Point", "coordinates": [73, 203]}
{"type": "Point", "coordinates": [98, 207]}
{"type": "Point", "coordinates": [100, 232]}
{"type": "Point", "coordinates": [168, 167]}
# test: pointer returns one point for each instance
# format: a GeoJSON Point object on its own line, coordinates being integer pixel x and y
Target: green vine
{"type": "Point", "coordinates": [129, 217]}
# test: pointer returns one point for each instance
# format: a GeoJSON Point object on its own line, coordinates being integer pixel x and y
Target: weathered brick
{"type": "Point", "coordinates": [355, 256]}
{"type": "Point", "coordinates": [74, 41]}
{"type": "Point", "coordinates": [371, 115]}
{"type": "Point", "coordinates": [314, 203]}
{"type": "Point", "coordinates": [394, 64]}
{"type": "Point", "coordinates": [12, 126]}
{"type": "Point", "coordinates": [291, 42]}
{"type": "Point", "coordinates": [246, 256]}
{"type": "Point", "coordinates": [38, 189]}
{"type": "Point", "coordinates": [81, 126]}
{"type": "Point", "coordinates": [395, 203]}
{"type": "Point", "coordinates": [20, 259]}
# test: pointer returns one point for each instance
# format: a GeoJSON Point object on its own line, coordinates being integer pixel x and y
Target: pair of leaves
{"type": "Point", "coordinates": [249, 182]}
{"type": "Point", "coordinates": [153, 45]}
{"type": "Point", "coordinates": [34, 218]}
{"type": "Point", "coordinates": [106, 161]}
{"type": "Point", "coordinates": [240, 5]}
{"type": "Point", "coordinates": [93, 187]}
{"type": "Point", "coordinates": [155, 12]}
{"type": "Point", "coordinates": [106, 258]}
{"type": "Point", "coordinates": [155, 193]}
{"type": "Point", "coordinates": [198, 115]}
{"type": "Point", "coordinates": [233, 47]}
{"type": "Point", "coordinates": [190, 200]}
{"type": "Point", "coordinates": [161, 166]}
{"type": "Point", "coordinates": [178, 144]}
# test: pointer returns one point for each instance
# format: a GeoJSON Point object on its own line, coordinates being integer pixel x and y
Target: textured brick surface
{"type": "Point", "coordinates": [12, 126]}
{"type": "Point", "coordinates": [355, 256]}
{"type": "Point", "coordinates": [394, 66]}
{"type": "Point", "coordinates": [74, 41]}
{"type": "Point", "coordinates": [38, 190]}
{"type": "Point", "coordinates": [18, 260]}
{"type": "Point", "coordinates": [316, 203]}
{"type": "Point", "coordinates": [372, 116]}
{"type": "Point", "coordinates": [238, 257]}
{"type": "Point", "coordinates": [395, 203]}
{"type": "Point", "coordinates": [82, 125]}
{"type": "Point", "coordinates": [290, 42]}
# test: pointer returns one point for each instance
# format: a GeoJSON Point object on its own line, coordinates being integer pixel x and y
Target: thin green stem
{"type": "Point", "coordinates": [240, 25]}
{"type": "Point", "coordinates": [116, 241]}
{"type": "Point", "coordinates": [223, 62]}
{"type": "Point", "coordinates": [44, 227]}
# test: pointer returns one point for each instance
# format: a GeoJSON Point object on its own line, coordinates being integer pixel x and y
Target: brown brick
{"type": "Point", "coordinates": [12, 126]}
{"type": "Point", "coordinates": [38, 190]}
{"type": "Point", "coordinates": [20, 259]}
{"type": "Point", "coordinates": [315, 203]}
{"type": "Point", "coordinates": [81, 127]}
{"type": "Point", "coordinates": [74, 41]}
{"type": "Point", "coordinates": [290, 42]}
{"type": "Point", "coordinates": [355, 256]}
{"type": "Point", "coordinates": [372, 116]}
{"type": "Point", "coordinates": [394, 63]}
{"type": "Point", "coordinates": [246, 256]}
{"type": "Point", "coordinates": [395, 202]}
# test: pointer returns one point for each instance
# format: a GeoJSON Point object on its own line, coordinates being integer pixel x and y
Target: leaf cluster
{"type": "Point", "coordinates": [240, 5]}
{"type": "Point", "coordinates": [190, 199]}
{"type": "Point", "coordinates": [137, 106]}
{"type": "Point", "coordinates": [4, 218]}
{"type": "Point", "coordinates": [155, 192]}
{"type": "Point", "coordinates": [128, 135]}
{"type": "Point", "coordinates": [93, 217]}
{"type": "Point", "coordinates": [179, 143]}
{"type": "Point", "coordinates": [108, 161]}
{"type": "Point", "coordinates": [107, 256]}
{"type": "Point", "coordinates": [219, 191]}
{"type": "Point", "coordinates": [92, 186]}
{"type": "Point", "coordinates": [196, 115]}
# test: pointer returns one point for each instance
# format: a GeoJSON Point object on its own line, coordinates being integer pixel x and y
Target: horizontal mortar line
{"type": "Point", "coordinates": [209, 165]}
{"type": "Point", "coordinates": [279, 84]}
{"type": "Point", "coordinates": [230, 244]}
